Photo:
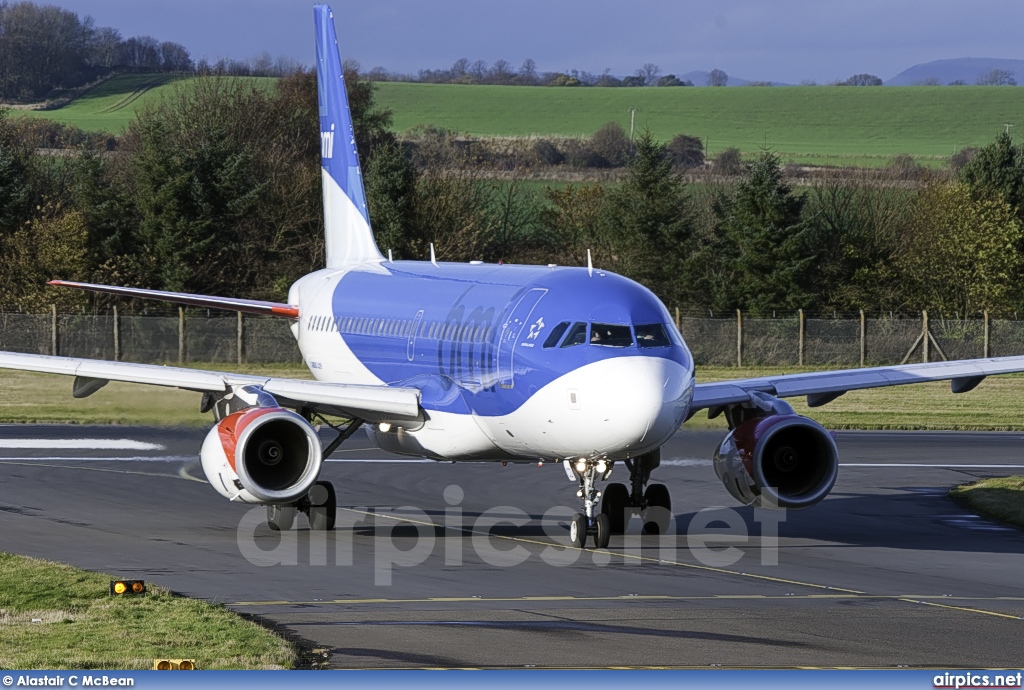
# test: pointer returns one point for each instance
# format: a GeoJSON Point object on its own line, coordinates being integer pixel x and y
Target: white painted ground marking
{"type": "Point", "coordinates": [924, 464]}
{"type": "Point", "coordinates": [687, 462]}
{"type": "Point", "coordinates": [137, 458]}
{"type": "Point", "coordinates": [78, 444]}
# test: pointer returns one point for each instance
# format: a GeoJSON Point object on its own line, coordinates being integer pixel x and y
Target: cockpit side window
{"type": "Point", "coordinates": [556, 334]}
{"type": "Point", "coordinates": [577, 335]}
{"type": "Point", "coordinates": [610, 335]}
{"type": "Point", "coordinates": [652, 335]}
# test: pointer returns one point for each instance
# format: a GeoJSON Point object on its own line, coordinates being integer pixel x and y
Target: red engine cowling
{"type": "Point", "coordinates": [262, 455]}
{"type": "Point", "coordinates": [785, 461]}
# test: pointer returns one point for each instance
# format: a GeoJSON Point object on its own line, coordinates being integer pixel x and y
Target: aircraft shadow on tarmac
{"type": "Point", "coordinates": [916, 518]}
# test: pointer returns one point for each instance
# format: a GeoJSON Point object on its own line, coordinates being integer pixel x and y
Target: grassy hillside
{"type": "Point", "coordinates": [800, 122]}
{"type": "Point", "coordinates": [110, 106]}
{"type": "Point", "coordinates": [839, 125]}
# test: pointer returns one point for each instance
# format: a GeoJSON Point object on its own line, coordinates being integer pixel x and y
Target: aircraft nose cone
{"type": "Point", "coordinates": [640, 401]}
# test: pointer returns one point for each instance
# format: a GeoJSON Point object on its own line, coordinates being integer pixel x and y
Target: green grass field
{"type": "Point", "coordinates": [111, 106]}
{"type": "Point", "coordinates": [995, 405]}
{"type": "Point", "coordinates": [997, 498]}
{"type": "Point", "coordinates": [53, 616]}
{"type": "Point", "coordinates": [841, 125]}
{"type": "Point", "coordinates": [819, 125]}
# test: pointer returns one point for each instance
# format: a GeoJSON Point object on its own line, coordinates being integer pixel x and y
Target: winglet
{"type": "Point", "coordinates": [347, 230]}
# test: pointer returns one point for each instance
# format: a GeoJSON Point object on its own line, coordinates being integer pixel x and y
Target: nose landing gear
{"type": "Point", "coordinates": [587, 471]}
{"type": "Point", "coordinates": [651, 501]}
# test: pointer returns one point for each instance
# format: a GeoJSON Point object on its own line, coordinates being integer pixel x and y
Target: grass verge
{"type": "Point", "coordinates": [30, 398]}
{"type": "Point", "coordinates": [79, 626]}
{"type": "Point", "coordinates": [994, 406]}
{"type": "Point", "coordinates": [996, 498]}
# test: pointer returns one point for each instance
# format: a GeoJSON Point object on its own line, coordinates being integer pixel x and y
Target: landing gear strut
{"type": "Point", "coordinates": [587, 472]}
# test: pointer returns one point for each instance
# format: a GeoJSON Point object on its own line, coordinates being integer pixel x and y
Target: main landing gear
{"type": "Point", "coordinates": [618, 503]}
{"type": "Point", "coordinates": [320, 504]}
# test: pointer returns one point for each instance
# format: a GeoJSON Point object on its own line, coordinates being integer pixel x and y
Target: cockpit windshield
{"type": "Point", "coordinates": [577, 336]}
{"type": "Point", "coordinates": [652, 335]}
{"type": "Point", "coordinates": [610, 335]}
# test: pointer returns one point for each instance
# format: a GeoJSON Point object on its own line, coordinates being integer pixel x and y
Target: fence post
{"type": "Point", "coordinates": [239, 344]}
{"type": "Point", "coordinates": [117, 338]}
{"type": "Point", "coordinates": [679, 325]}
{"type": "Point", "coordinates": [181, 335]}
{"type": "Point", "coordinates": [984, 352]}
{"type": "Point", "coordinates": [924, 336]}
{"type": "Point", "coordinates": [739, 338]}
{"type": "Point", "coordinates": [800, 344]}
{"type": "Point", "coordinates": [54, 342]}
{"type": "Point", "coordinates": [863, 337]}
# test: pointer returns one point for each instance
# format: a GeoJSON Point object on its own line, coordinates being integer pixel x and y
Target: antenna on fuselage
{"type": "Point", "coordinates": [390, 260]}
{"type": "Point", "coordinates": [433, 259]}
{"type": "Point", "coordinates": [590, 264]}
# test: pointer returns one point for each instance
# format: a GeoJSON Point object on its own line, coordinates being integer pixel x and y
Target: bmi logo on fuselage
{"type": "Point", "coordinates": [327, 143]}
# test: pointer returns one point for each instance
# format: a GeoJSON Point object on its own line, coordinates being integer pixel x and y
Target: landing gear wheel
{"type": "Point", "coordinates": [614, 504]}
{"type": "Point", "coordinates": [602, 532]}
{"type": "Point", "coordinates": [658, 513]}
{"type": "Point", "coordinates": [323, 508]}
{"type": "Point", "coordinates": [578, 531]}
{"type": "Point", "coordinates": [280, 518]}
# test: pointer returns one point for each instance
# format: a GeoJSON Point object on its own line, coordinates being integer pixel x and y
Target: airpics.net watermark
{"type": "Point", "coordinates": [407, 536]}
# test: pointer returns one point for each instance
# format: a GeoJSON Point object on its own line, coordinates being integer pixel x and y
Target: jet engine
{"type": "Point", "coordinates": [262, 455]}
{"type": "Point", "coordinates": [780, 460]}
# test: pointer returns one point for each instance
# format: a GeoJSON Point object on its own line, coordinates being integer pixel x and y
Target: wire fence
{"type": "Point", "coordinates": [736, 341]}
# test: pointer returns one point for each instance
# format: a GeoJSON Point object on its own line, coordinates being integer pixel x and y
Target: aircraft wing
{"type": "Point", "coordinates": [251, 306]}
{"type": "Point", "coordinates": [822, 387]}
{"type": "Point", "coordinates": [372, 403]}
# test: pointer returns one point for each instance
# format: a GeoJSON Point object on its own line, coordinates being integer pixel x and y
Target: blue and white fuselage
{"type": "Point", "coordinates": [510, 360]}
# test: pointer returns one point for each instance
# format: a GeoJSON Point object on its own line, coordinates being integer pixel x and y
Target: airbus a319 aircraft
{"type": "Point", "coordinates": [483, 362]}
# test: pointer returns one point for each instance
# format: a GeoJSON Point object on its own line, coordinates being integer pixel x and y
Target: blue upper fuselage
{"type": "Point", "coordinates": [479, 338]}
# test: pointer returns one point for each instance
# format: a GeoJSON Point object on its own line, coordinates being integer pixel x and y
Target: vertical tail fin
{"type": "Point", "coordinates": [346, 219]}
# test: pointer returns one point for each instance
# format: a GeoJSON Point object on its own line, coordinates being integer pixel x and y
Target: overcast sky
{"type": "Point", "coordinates": [781, 40]}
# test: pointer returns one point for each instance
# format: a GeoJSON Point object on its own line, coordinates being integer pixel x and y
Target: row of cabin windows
{"type": "Point", "coordinates": [400, 328]}
{"type": "Point", "coordinates": [608, 335]}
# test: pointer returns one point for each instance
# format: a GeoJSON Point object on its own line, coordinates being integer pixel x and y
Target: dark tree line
{"type": "Point", "coordinates": [45, 49]}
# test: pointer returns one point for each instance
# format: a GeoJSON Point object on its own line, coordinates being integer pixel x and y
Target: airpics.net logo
{"type": "Point", "coordinates": [968, 680]}
{"type": "Point", "coordinates": [504, 537]}
{"type": "Point", "coordinates": [327, 143]}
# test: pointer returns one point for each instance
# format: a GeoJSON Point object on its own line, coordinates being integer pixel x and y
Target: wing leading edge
{"type": "Point", "coordinates": [825, 386]}
{"type": "Point", "coordinates": [372, 403]}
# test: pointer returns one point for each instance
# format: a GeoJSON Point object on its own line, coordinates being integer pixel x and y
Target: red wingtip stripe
{"type": "Point", "coordinates": [291, 312]}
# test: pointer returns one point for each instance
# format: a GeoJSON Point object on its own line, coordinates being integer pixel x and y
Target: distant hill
{"type": "Point", "coordinates": [945, 71]}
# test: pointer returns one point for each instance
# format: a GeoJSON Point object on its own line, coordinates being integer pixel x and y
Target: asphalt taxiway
{"type": "Point", "coordinates": [455, 565]}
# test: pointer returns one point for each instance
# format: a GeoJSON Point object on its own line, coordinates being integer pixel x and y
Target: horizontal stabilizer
{"type": "Point", "coordinates": [250, 306]}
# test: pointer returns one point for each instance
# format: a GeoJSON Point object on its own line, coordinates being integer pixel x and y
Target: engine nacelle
{"type": "Point", "coordinates": [789, 460]}
{"type": "Point", "coordinates": [262, 455]}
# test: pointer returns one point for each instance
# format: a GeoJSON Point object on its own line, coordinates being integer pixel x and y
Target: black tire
{"type": "Point", "coordinates": [658, 513]}
{"type": "Point", "coordinates": [578, 531]}
{"type": "Point", "coordinates": [614, 504]}
{"type": "Point", "coordinates": [323, 510]}
{"type": "Point", "coordinates": [602, 531]}
{"type": "Point", "coordinates": [280, 518]}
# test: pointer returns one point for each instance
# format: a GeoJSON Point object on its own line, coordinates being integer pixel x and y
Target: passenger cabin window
{"type": "Point", "coordinates": [577, 335]}
{"type": "Point", "coordinates": [652, 335]}
{"type": "Point", "coordinates": [610, 335]}
{"type": "Point", "coordinates": [556, 334]}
